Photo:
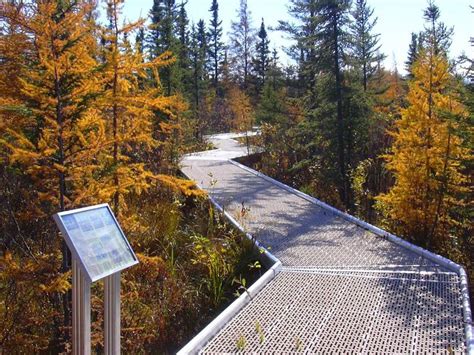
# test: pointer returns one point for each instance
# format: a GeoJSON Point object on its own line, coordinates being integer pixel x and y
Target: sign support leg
{"type": "Point", "coordinates": [112, 314]}
{"type": "Point", "coordinates": [81, 312]}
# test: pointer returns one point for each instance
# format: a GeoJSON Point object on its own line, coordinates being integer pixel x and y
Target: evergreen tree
{"type": "Point", "coordinates": [161, 31]}
{"type": "Point", "coordinates": [275, 75]}
{"type": "Point", "coordinates": [365, 44]}
{"type": "Point", "coordinates": [337, 109]}
{"type": "Point", "coordinates": [436, 34]}
{"type": "Point", "coordinates": [216, 46]}
{"type": "Point", "coordinates": [262, 59]}
{"type": "Point", "coordinates": [272, 107]}
{"type": "Point", "coordinates": [140, 41]}
{"type": "Point", "coordinates": [202, 40]}
{"type": "Point", "coordinates": [220, 113]}
{"type": "Point", "coordinates": [182, 26]}
{"type": "Point", "coordinates": [321, 45]}
{"type": "Point", "coordinates": [162, 40]}
{"type": "Point", "coordinates": [331, 22]}
{"type": "Point", "coordinates": [199, 51]}
{"type": "Point", "coordinates": [303, 32]}
{"type": "Point", "coordinates": [183, 56]}
{"type": "Point", "coordinates": [242, 39]}
{"type": "Point", "coordinates": [413, 50]}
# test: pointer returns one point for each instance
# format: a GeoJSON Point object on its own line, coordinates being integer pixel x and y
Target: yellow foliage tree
{"type": "Point", "coordinates": [14, 44]}
{"type": "Point", "coordinates": [80, 126]}
{"type": "Point", "coordinates": [390, 100]}
{"type": "Point", "coordinates": [241, 108]}
{"type": "Point", "coordinates": [66, 133]}
{"type": "Point", "coordinates": [426, 157]}
{"type": "Point", "coordinates": [129, 107]}
{"type": "Point", "coordinates": [51, 134]}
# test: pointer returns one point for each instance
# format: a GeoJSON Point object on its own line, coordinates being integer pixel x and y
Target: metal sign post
{"type": "Point", "coordinates": [112, 314]}
{"type": "Point", "coordinates": [81, 312]}
{"type": "Point", "coordinates": [100, 250]}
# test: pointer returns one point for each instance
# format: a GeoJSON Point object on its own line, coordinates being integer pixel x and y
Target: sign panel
{"type": "Point", "coordinates": [95, 238]}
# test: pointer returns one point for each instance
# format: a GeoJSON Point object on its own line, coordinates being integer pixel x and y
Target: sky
{"type": "Point", "coordinates": [397, 19]}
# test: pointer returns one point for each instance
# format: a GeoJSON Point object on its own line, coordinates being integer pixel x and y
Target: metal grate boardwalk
{"type": "Point", "coordinates": [342, 287]}
{"type": "Point", "coordinates": [357, 312]}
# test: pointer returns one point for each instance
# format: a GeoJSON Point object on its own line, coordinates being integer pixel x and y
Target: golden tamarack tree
{"type": "Point", "coordinates": [242, 112]}
{"type": "Point", "coordinates": [426, 157]}
{"type": "Point", "coordinates": [51, 131]}
{"type": "Point", "coordinates": [129, 104]}
{"type": "Point", "coordinates": [77, 126]}
{"type": "Point", "coordinates": [58, 88]}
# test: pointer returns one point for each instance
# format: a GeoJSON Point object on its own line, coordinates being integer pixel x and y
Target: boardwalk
{"type": "Point", "coordinates": [342, 288]}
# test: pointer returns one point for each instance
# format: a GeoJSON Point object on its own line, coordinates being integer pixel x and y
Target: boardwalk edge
{"type": "Point", "coordinates": [275, 266]}
{"type": "Point", "coordinates": [468, 323]}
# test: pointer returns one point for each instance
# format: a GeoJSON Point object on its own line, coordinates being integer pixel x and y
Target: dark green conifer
{"type": "Point", "coordinates": [262, 59]}
{"type": "Point", "coordinates": [216, 46]}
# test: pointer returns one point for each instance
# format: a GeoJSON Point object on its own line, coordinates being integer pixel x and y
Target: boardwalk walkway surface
{"type": "Point", "coordinates": [343, 287]}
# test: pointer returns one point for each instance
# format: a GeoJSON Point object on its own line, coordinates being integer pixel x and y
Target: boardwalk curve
{"type": "Point", "coordinates": [337, 285]}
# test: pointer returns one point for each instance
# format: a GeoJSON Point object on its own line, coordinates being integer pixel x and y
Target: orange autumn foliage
{"type": "Point", "coordinates": [63, 133]}
{"type": "Point", "coordinates": [426, 157]}
{"type": "Point", "coordinates": [56, 152]}
{"type": "Point", "coordinates": [128, 106]}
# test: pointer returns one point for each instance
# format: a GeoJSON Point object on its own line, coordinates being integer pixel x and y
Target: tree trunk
{"type": "Point", "coordinates": [365, 76]}
{"type": "Point", "coordinates": [340, 118]}
{"type": "Point", "coordinates": [444, 188]}
{"type": "Point", "coordinates": [216, 65]}
{"type": "Point", "coordinates": [428, 192]}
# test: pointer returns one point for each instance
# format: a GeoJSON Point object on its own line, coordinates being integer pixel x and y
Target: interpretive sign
{"type": "Point", "coordinates": [96, 240]}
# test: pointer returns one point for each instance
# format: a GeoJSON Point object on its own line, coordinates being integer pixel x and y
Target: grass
{"type": "Point", "coordinates": [188, 255]}
{"type": "Point", "coordinates": [207, 254]}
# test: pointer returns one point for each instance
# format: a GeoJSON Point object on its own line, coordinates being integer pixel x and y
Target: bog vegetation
{"type": "Point", "coordinates": [97, 109]}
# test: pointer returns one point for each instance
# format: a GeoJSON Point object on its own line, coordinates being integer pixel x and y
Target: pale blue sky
{"type": "Point", "coordinates": [396, 20]}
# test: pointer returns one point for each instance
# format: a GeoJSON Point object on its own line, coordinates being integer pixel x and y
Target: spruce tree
{"type": "Point", "coordinates": [156, 38]}
{"type": "Point", "coordinates": [199, 51]}
{"type": "Point", "coordinates": [365, 44]}
{"type": "Point", "coordinates": [262, 58]}
{"type": "Point", "coordinates": [275, 75]}
{"type": "Point", "coordinates": [436, 35]}
{"type": "Point", "coordinates": [303, 33]}
{"type": "Point", "coordinates": [242, 39]}
{"type": "Point", "coordinates": [203, 41]}
{"type": "Point", "coordinates": [183, 71]}
{"type": "Point", "coordinates": [216, 46]}
{"type": "Point", "coordinates": [140, 41]}
{"type": "Point", "coordinates": [331, 22]}
{"type": "Point", "coordinates": [182, 23]}
{"type": "Point", "coordinates": [321, 45]}
{"type": "Point", "coordinates": [413, 50]}
{"type": "Point", "coordinates": [272, 106]}
{"type": "Point", "coordinates": [162, 39]}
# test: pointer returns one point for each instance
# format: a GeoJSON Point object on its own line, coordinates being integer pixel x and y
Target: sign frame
{"type": "Point", "coordinates": [75, 253]}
